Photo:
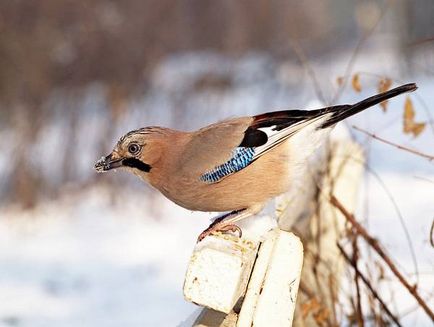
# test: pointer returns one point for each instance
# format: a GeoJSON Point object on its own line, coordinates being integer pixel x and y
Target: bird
{"type": "Point", "coordinates": [233, 166]}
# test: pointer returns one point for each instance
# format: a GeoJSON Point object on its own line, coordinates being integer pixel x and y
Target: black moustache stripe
{"type": "Point", "coordinates": [136, 163]}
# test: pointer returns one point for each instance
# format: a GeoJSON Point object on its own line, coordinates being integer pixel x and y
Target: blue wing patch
{"type": "Point", "coordinates": [241, 158]}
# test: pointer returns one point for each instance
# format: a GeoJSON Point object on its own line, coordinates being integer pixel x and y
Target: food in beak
{"type": "Point", "coordinates": [106, 163]}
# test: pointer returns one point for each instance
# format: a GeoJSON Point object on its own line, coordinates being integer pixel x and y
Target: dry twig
{"type": "Point", "coordinates": [355, 53]}
{"type": "Point", "coordinates": [369, 286]}
{"type": "Point", "coordinates": [398, 213]}
{"type": "Point", "coordinates": [309, 70]}
{"type": "Point", "coordinates": [431, 234]}
{"type": "Point", "coordinates": [426, 156]}
{"type": "Point", "coordinates": [376, 246]}
{"type": "Point", "coordinates": [359, 312]}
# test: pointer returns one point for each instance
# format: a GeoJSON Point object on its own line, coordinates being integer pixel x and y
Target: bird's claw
{"type": "Point", "coordinates": [220, 228]}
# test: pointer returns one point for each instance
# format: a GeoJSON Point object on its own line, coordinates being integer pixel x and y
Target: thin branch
{"type": "Point", "coordinates": [398, 213]}
{"type": "Point", "coordinates": [356, 51]}
{"type": "Point", "coordinates": [334, 299]}
{"type": "Point", "coordinates": [431, 234]}
{"type": "Point", "coordinates": [421, 41]}
{"type": "Point", "coordinates": [310, 71]}
{"type": "Point", "coordinates": [424, 179]}
{"type": "Point", "coordinates": [427, 110]}
{"type": "Point", "coordinates": [418, 153]}
{"type": "Point", "coordinates": [413, 308]}
{"type": "Point", "coordinates": [376, 246]}
{"type": "Point", "coordinates": [369, 286]}
{"type": "Point", "coordinates": [355, 258]}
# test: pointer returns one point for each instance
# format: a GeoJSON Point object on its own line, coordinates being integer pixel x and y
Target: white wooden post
{"type": "Point", "coordinates": [219, 271]}
{"type": "Point", "coordinates": [272, 292]}
{"type": "Point", "coordinates": [221, 268]}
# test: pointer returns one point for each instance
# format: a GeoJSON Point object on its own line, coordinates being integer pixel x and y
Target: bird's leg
{"type": "Point", "coordinates": [225, 223]}
{"type": "Point", "coordinates": [222, 224]}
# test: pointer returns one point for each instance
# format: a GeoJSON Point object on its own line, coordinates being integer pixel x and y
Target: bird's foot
{"type": "Point", "coordinates": [220, 227]}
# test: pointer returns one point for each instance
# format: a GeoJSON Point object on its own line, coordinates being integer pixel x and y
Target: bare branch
{"type": "Point", "coordinates": [369, 286]}
{"type": "Point", "coordinates": [421, 41]}
{"type": "Point", "coordinates": [424, 179]}
{"type": "Point", "coordinates": [431, 234]}
{"type": "Point", "coordinates": [356, 53]}
{"type": "Point", "coordinates": [376, 246]}
{"type": "Point", "coordinates": [355, 258]}
{"type": "Point", "coordinates": [426, 156]}
{"type": "Point", "coordinates": [399, 215]}
{"type": "Point", "coordinates": [306, 64]}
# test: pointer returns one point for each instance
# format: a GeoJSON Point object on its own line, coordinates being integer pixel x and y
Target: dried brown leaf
{"type": "Point", "coordinates": [418, 128]}
{"type": "Point", "coordinates": [383, 105]}
{"type": "Point", "coordinates": [355, 83]}
{"type": "Point", "coordinates": [383, 86]}
{"type": "Point", "coordinates": [410, 126]}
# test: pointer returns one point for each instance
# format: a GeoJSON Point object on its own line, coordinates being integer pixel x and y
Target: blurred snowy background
{"type": "Point", "coordinates": [77, 249]}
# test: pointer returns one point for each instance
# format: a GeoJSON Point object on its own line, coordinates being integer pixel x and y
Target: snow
{"type": "Point", "coordinates": [90, 263]}
{"type": "Point", "coordinates": [117, 257]}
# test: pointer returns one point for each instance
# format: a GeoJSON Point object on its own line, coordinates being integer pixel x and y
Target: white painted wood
{"type": "Point", "coordinates": [272, 292]}
{"type": "Point", "coordinates": [256, 281]}
{"type": "Point", "coordinates": [219, 271]}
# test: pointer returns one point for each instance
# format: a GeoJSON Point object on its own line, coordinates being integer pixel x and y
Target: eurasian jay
{"type": "Point", "coordinates": [235, 165]}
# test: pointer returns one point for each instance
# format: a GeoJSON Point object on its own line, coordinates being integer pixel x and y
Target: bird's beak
{"type": "Point", "coordinates": [106, 163]}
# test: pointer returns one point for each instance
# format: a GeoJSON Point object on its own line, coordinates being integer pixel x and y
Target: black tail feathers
{"type": "Point", "coordinates": [345, 111]}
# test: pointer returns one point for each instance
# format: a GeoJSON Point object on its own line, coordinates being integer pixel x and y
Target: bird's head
{"type": "Point", "coordinates": [137, 151]}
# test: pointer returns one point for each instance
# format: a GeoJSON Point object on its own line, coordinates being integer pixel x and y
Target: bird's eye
{"type": "Point", "coordinates": [133, 148]}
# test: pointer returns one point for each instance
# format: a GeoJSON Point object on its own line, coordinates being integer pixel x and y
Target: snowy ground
{"type": "Point", "coordinates": [87, 262]}
{"type": "Point", "coordinates": [92, 259]}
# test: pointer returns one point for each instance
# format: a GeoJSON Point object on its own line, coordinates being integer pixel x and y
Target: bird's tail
{"type": "Point", "coordinates": [345, 111]}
